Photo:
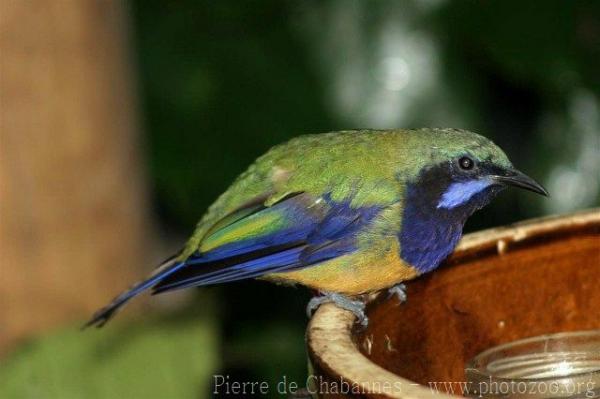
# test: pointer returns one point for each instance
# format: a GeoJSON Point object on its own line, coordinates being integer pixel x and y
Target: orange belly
{"type": "Point", "coordinates": [360, 272]}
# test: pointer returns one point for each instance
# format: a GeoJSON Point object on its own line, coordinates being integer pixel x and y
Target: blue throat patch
{"type": "Point", "coordinates": [435, 211]}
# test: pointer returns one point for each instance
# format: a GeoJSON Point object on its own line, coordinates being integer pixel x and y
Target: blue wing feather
{"type": "Point", "coordinates": [252, 268]}
{"type": "Point", "coordinates": [310, 242]}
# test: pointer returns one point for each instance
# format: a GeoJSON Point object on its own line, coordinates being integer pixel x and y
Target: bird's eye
{"type": "Point", "coordinates": [466, 163]}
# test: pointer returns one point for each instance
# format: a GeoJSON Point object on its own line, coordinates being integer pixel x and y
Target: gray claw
{"type": "Point", "coordinates": [399, 291]}
{"type": "Point", "coordinates": [355, 306]}
{"type": "Point", "coordinates": [314, 303]}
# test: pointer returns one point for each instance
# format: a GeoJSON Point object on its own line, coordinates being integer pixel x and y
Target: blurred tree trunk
{"type": "Point", "coordinates": [73, 214]}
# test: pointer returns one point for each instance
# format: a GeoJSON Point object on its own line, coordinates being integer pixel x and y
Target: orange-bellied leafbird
{"type": "Point", "coordinates": [344, 213]}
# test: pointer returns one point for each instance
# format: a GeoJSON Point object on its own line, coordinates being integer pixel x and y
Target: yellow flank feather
{"type": "Point", "coordinates": [357, 273]}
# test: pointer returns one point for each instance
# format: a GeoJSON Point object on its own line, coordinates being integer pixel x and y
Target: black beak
{"type": "Point", "coordinates": [519, 179]}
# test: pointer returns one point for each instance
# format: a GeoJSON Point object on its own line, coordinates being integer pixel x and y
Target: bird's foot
{"type": "Point", "coordinates": [355, 306]}
{"type": "Point", "coordinates": [399, 290]}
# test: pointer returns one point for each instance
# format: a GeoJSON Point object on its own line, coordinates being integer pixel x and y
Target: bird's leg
{"type": "Point", "coordinates": [399, 290]}
{"type": "Point", "coordinates": [355, 306]}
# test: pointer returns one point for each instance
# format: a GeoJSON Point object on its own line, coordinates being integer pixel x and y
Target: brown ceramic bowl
{"type": "Point", "coordinates": [537, 277]}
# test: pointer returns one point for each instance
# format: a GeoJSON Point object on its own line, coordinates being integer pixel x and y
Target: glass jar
{"type": "Point", "coordinates": [564, 365]}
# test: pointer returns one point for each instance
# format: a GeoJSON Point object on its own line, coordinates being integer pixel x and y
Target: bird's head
{"type": "Point", "coordinates": [460, 171]}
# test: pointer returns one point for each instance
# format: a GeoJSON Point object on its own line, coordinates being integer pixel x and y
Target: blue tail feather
{"type": "Point", "coordinates": [106, 313]}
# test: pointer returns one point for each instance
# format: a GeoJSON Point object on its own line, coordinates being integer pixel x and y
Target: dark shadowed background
{"type": "Point", "coordinates": [163, 104]}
